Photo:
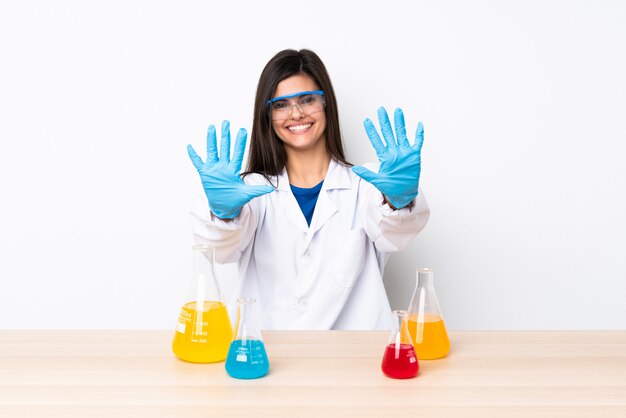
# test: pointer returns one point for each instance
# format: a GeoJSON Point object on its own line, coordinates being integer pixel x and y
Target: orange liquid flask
{"type": "Point", "coordinates": [203, 331]}
{"type": "Point", "coordinates": [425, 320]}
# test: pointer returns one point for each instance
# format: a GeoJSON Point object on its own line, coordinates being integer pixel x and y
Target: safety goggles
{"type": "Point", "coordinates": [307, 102]}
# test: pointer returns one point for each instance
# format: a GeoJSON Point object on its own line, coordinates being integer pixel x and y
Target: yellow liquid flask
{"type": "Point", "coordinates": [425, 320]}
{"type": "Point", "coordinates": [203, 331]}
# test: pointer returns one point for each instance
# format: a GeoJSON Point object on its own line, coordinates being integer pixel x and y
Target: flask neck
{"type": "Point", "coordinates": [202, 260]}
{"type": "Point", "coordinates": [400, 332]}
{"type": "Point", "coordinates": [246, 327]}
{"type": "Point", "coordinates": [424, 277]}
{"type": "Point", "coordinates": [246, 308]}
{"type": "Point", "coordinates": [204, 286]}
{"type": "Point", "coordinates": [424, 302]}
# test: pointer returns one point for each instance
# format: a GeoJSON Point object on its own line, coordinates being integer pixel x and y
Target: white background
{"type": "Point", "coordinates": [524, 108]}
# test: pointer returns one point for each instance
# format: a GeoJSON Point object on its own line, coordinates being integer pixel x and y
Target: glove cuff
{"type": "Point", "coordinates": [401, 202]}
{"type": "Point", "coordinates": [225, 214]}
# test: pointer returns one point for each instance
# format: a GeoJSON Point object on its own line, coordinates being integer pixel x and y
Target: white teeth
{"type": "Point", "coordinates": [297, 128]}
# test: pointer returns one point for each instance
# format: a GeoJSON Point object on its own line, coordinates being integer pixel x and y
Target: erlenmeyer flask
{"type": "Point", "coordinates": [247, 358]}
{"type": "Point", "coordinates": [426, 326]}
{"type": "Point", "coordinates": [203, 331]}
{"type": "Point", "coordinates": [399, 360]}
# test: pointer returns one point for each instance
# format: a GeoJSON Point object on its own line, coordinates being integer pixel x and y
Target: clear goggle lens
{"type": "Point", "coordinates": [305, 102]}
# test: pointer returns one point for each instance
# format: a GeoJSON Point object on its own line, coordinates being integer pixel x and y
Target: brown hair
{"type": "Point", "coordinates": [267, 153]}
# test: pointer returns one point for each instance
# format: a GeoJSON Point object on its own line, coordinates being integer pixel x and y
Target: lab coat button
{"type": "Point", "coordinates": [302, 302]}
{"type": "Point", "coordinates": [307, 254]}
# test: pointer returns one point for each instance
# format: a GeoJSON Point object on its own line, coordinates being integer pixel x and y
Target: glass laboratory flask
{"type": "Point", "coordinates": [399, 360]}
{"type": "Point", "coordinates": [247, 358]}
{"type": "Point", "coordinates": [426, 326]}
{"type": "Point", "coordinates": [203, 331]}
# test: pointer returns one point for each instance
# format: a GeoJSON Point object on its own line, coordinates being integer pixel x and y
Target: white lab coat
{"type": "Point", "coordinates": [326, 276]}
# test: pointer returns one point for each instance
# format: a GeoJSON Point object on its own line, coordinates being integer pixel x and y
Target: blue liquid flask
{"type": "Point", "coordinates": [247, 358]}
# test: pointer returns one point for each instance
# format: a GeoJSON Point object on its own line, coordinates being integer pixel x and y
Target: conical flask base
{"type": "Point", "coordinates": [430, 337]}
{"type": "Point", "coordinates": [202, 336]}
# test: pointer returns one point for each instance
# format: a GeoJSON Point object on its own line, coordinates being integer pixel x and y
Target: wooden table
{"type": "Point", "coordinates": [91, 374]}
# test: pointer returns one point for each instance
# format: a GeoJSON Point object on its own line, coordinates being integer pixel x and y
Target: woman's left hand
{"type": "Point", "coordinates": [400, 162]}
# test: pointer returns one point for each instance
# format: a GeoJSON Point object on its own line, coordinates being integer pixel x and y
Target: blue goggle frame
{"type": "Point", "coordinates": [288, 96]}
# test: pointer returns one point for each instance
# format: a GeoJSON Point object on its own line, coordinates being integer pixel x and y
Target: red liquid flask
{"type": "Point", "coordinates": [399, 359]}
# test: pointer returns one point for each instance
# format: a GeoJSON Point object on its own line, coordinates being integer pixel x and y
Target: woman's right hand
{"type": "Point", "coordinates": [224, 188]}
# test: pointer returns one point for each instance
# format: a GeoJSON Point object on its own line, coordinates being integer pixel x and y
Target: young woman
{"type": "Point", "coordinates": [311, 234]}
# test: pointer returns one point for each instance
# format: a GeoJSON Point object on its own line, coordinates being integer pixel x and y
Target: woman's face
{"type": "Point", "coordinates": [300, 131]}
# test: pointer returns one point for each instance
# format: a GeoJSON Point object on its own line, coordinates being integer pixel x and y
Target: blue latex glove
{"type": "Point", "coordinates": [400, 162]}
{"type": "Point", "coordinates": [223, 186]}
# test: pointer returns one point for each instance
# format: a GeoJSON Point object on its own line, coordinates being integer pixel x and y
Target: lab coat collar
{"type": "Point", "coordinates": [337, 177]}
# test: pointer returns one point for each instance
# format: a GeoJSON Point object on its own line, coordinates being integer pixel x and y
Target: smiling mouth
{"type": "Point", "coordinates": [300, 128]}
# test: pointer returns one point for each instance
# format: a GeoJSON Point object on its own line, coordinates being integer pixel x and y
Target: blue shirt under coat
{"type": "Point", "coordinates": [307, 198]}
